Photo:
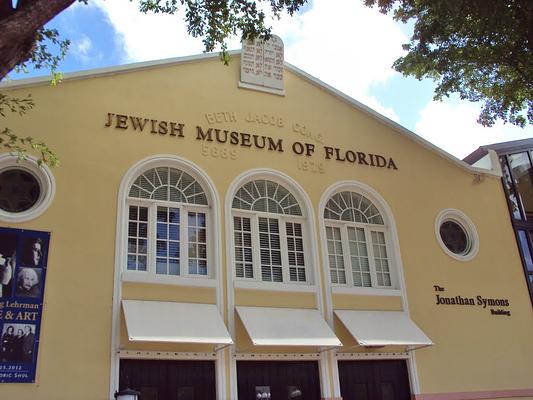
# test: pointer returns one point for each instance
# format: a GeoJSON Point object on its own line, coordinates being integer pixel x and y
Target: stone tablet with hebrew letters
{"type": "Point", "coordinates": [262, 63]}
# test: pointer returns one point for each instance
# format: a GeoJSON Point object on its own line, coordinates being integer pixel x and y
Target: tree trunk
{"type": "Point", "coordinates": [19, 28]}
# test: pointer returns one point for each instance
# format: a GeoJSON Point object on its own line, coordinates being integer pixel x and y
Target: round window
{"type": "Point", "coordinates": [19, 190]}
{"type": "Point", "coordinates": [456, 234]}
{"type": "Point", "coordinates": [26, 189]}
{"type": "Point", "coordinates": [454, 237]}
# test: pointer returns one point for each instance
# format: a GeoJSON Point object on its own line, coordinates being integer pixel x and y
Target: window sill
{"type": "Point", "coordinates": [141, 277]}
{"type": "Point", "coordinates": [274, 286]}
{"type": "Point", "coordinates": [365, 291]}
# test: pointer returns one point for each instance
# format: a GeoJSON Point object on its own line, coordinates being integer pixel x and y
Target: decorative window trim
{"type": "Point", "coordinates": [212, 223]}
{"type": "Point", "coordinates": [399, 291]}
{"type": "Point", "coordinates": [305, 219]}
{"type": "Point", "coordinates": [282, 221]}
{"type": "Point", "coordinates": [368, 230]}
{"type": "Point", "coordinates": [46, 180]}
{"type": "Point", "coordinates": [395, 264]}
{"type": "Point", "coordinates": [249, 284]}
{"type": "Point", "coordinates": [343, 228]}
{"type": "Point", "coordinates": [313, 267]}
{"type": "Point", "coordinates": [366, 291]}
{"type": "Point", "coordinates": [197, 281]}
{"type": "Point", "coordinates": [451, 214]}
{"type": "Point", "coordinates": [120, 256]}
{"type": "Point", "coordinates": [153, 207]}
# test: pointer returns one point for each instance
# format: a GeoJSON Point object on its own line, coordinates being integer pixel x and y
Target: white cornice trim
{"type": "Point", "coordinates": [386, 210]}
{"type": "Point", "coordinates": [307, 208]}
{"type": "Point", "coordinates": [390, 123]}
{"type": "Point", "coordinates": [118, 69]}
{"type": "Point", "coordinates": [214, 200]}
{"type": "Point", "coordinates": [100, 72]}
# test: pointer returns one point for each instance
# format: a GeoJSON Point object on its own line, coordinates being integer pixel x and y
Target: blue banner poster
{"type": "Point", "coordinates": [23, 263]}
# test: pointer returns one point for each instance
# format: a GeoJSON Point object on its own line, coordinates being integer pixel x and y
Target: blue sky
{"type": "Point", "coordinates": [352, 50]}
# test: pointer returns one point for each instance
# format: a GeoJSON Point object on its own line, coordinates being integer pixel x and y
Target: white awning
{"type": "Point", "coordinates": [161, 321]}
{"type": "Point", "coordinates": [383, 328]}
{"type": "Point", "coordinates": [287, 327]}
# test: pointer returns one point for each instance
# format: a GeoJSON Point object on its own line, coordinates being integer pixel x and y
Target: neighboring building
{"type": "Point", "coordinates": [217, 233]}
{"type": "Point", "coordinates": [515, 159]}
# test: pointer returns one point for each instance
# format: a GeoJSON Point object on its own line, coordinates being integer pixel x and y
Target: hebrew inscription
{"type": "Point", "coordinates": [262, 62]}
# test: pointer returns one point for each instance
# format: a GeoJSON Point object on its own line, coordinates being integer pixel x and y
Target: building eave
{"type": "Point", "coordinates": [502, 147]}
{"type": "Point", "coordinates": [392, 124]}
{"type": "Point", "coordinates": [147, 65]}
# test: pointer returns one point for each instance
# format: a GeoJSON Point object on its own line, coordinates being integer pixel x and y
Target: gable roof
{"type": "Point", "coordinates": [499, 148]}
{"type": "Point", "coordinates": [146, 65]}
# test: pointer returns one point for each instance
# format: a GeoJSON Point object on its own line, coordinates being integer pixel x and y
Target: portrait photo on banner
{"type": "Point", "coordinates": [17, 343]}
{"type": "Point", "coordinates": [28, 282]}
{"type": "Point", "coordinates": [8, 253]}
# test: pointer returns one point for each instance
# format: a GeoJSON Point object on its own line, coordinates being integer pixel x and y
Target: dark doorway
{"type": "Point", "coordinates": [284, 380]}
{"type": "Point", "coordinates": [374, 380]}
{"type": "Point", "coordinates": [169, 380]}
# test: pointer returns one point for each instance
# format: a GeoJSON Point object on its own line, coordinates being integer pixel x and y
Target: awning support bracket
{"type": "Point", "coordinates": [222, 347]}
{"type": "Point", "coordinates": [328, 348]}
{"type": "Point", "coordinates": [408, 348]}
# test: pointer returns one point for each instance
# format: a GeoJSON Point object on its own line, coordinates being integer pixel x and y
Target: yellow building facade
{"type": "Point", "coordinates": [216, 239]}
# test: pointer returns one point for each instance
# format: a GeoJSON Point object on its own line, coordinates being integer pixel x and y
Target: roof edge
{"type": "Point", "coordinates": [500, 148]}
{"type": "Point", "coordinates": [139, 66]}
{"type": "Point", "coordinates": [106, 71]}
{"type": "Point", "coordinates": [476, 155]}
{"type": "Point", "coordinates": [392, 124]}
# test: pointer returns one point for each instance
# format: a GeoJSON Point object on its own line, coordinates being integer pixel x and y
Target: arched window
{"type": "Point", "coordinates": [269, 233]}
{"type": "Point", "coordinates": [357, 243]}
{"type": "Point", "coordinates": [167, 224]}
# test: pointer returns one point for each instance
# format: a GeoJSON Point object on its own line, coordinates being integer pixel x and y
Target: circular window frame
{"type": "Point", "coordinates": [44, 177]}
{"type": "Point", "coordinates": [468, 227]}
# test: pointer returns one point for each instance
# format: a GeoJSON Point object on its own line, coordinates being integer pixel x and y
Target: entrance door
{"type": "Point", "coordinates": [283, 380]}
{"type": "Point", "coordinates": [169, 380]}
{"type": "Point", "coordinates": [374, 380]}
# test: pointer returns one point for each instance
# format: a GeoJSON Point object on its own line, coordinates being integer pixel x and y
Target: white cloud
{"type": "Point", "coordinates": [81, 49]}
{"type": "Point", "coordinates": [452, 126]}
{"type": "Point", "coordinates": [347, 45]}
{"type": "Point", "coordinates": [148, 36]}
{"type": "Point", "coordinates": [375, 104]}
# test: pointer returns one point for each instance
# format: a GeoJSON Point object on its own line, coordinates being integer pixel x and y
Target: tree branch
{"type": "Point", "coordinates": [528, 11]}
{"type": "Point", "coordinates": [19, 30]}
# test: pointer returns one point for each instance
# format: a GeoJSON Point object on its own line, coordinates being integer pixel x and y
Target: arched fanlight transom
{"type": "Point", "coordinates": [266, 196]}
{"type": "Point", "coordinates": [352, 207]}
{"type": "Point", "coordinates": [168, 184]}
